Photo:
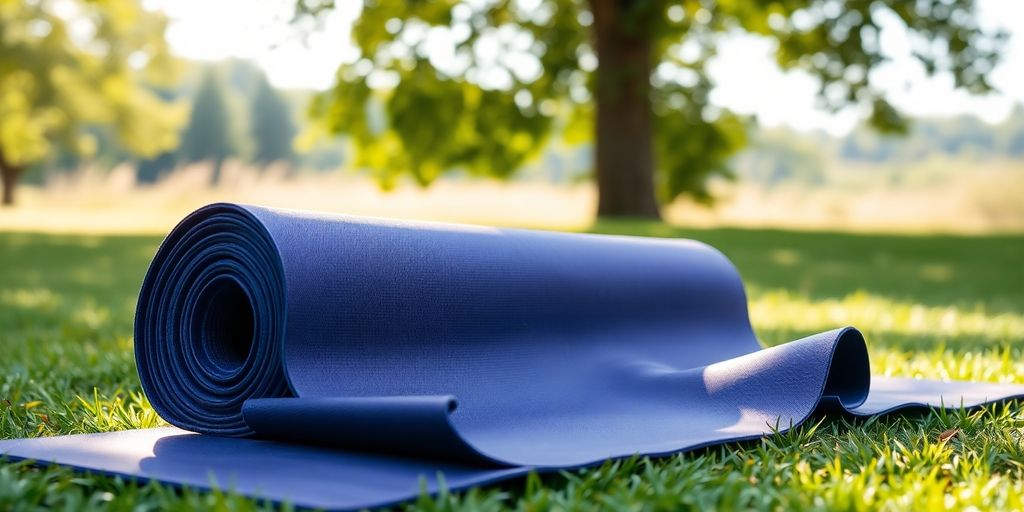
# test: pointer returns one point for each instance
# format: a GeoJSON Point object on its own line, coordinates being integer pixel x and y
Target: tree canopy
{"type": "Point", "coordinates": [481, 86]}
{"type": "Point", "coordinates": [58, 80]}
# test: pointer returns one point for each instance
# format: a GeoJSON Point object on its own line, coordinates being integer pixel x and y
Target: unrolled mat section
{"type": "Point", "coordinates": [343, 362]}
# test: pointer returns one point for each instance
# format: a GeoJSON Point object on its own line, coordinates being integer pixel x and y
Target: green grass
{"type": "Point", "coordinates": [932, 306]}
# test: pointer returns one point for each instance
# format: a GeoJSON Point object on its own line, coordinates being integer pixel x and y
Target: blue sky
{"type": "Point", "coordinates": [211, 30]}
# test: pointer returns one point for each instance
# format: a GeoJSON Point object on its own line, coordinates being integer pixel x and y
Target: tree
{"type": "Point", "coordinates": [1011, 133]}
{"type": "Point", "coordinates": [56, 83]}
{"type": "Point", "coordinates": [208, 134]}
{"type": "Point", "coordinates": [272, 127]}
{"type": "Point", "coordinates": [480, 85]}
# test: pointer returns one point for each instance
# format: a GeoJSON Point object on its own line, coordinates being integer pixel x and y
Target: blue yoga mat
{"type": "Point", "coordinates": [342, 362]}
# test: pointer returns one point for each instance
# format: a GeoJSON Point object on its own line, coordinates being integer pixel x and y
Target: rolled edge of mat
{"type": "Point", "coordinates": [210, 321]}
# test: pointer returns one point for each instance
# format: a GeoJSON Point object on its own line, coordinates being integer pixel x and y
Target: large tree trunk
{"type": "Point", "coordinates": [9, 175]}
{"type": "Point", "coordinates": [624, 142]}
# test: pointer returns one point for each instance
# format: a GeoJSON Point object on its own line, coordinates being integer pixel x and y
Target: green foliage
{"type": "Point", "coordinates": [208, 135]}
{"type": "Point", "coordinates": [255, 121]}
{"type": "Point", "coordinates": [932, 306]}
{"type": "Point", "coordinates": [271, 125]}
{"type": "Point", "coordinates": [482, 86]}
{"type": "Point", "coordinates": [55, 85]}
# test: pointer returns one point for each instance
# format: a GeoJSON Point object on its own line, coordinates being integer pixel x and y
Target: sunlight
{"type": "Point", "coordinates": [783, 310]}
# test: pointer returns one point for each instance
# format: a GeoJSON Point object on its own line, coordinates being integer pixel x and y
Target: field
{"type": "Point", "coordinates": [938, 306]}
{"type": "Point", "coordinates": [945, 195]}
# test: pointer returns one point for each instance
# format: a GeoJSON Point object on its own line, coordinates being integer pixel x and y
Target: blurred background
{"type": "Point", "coordinates": [860, 161]}
{"type": "Point", "coordinates": [123, 115]}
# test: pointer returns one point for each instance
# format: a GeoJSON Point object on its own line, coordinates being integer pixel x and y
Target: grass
{"type": "Point", "coordinates": [932, 306]}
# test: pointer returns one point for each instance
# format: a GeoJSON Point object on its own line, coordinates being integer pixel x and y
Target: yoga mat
{"type": "Point", "coordinates": [344, 362]}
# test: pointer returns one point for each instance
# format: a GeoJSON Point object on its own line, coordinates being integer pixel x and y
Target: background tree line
{"type": "Point", "coordinates": [232, 112]}
{"type": "Point", "coordinates": [628, 77]}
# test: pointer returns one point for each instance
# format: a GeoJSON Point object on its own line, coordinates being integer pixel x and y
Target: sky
{"type": "Point", "coordinates": [259, 31]}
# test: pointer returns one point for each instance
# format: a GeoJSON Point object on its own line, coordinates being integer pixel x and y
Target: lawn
{"type": "Point", "coordinates": [930, 306]}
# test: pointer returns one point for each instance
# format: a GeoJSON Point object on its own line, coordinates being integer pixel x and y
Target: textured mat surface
{"type": "Point", "coordinates": [342, 362]}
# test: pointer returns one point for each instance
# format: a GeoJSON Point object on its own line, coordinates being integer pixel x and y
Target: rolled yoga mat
{"type": "Point", "coordinates": [344, 362]}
